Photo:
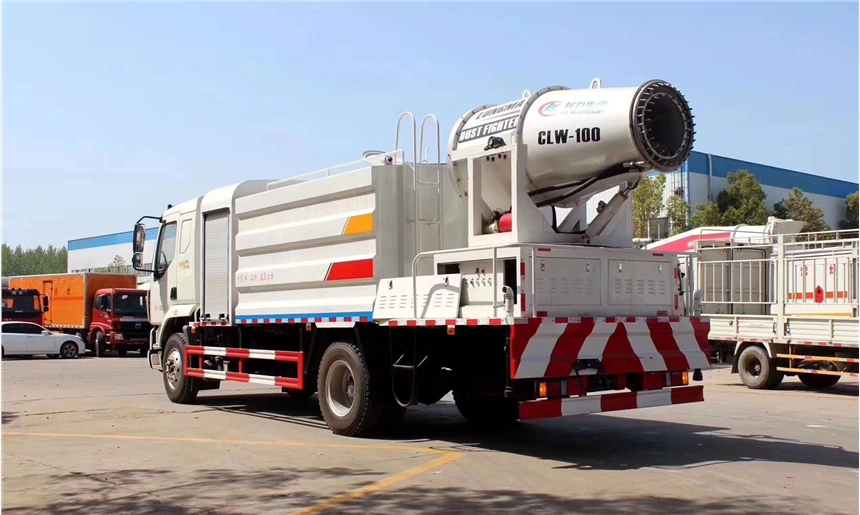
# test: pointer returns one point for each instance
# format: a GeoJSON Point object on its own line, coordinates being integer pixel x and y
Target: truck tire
{"type": "Point", "coordinates": [486, 412]}
{"type": "Point", "coordinates": [757, 370]}
{"type": "Point", "coordinates": [69, 350]}
{"type": "Point", "coordinates": [122, 352]}
{"type": "Point", "coordinates": [99, 343]}
{"type": "Point", "coordinates": [818, 381]}
{"type": "Point", "coordinates": [347, 397]}
{"type": "Point", "coordinates": [180, 389]}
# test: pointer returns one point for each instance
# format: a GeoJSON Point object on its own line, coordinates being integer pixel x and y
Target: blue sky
{"type": "Point", "coordinates": [112, 111]}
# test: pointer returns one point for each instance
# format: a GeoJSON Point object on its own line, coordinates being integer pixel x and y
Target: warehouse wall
{"type": "Point", "coordinates": [86, 254]}
{"type": "Point", "coordinates": [827, 193]}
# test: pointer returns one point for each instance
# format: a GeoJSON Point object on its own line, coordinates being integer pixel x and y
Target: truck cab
{"type": "Point", "coordinates": [119, 317]}
{"type": "Point", "coordinates": [22, 305]}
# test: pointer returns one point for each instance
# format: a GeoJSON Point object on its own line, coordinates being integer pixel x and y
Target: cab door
{"type": "Point", "coordinates": [47, 302]}
{"type": "Point", "coordinates": [163, 292]}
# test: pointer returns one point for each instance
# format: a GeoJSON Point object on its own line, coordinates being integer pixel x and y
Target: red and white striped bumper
{"type": "Point", "coordinates": [550, 347]}
{"type": "Point", "coordinates": [552, 408]}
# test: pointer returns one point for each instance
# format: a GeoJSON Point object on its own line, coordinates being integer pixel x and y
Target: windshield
{"type": "Point", "coordinates": [129, 304]}
{"type": "Point", "coordinates": [21, 302]}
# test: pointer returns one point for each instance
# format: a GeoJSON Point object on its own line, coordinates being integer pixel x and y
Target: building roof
{"type": "Point", "coordinates": [119, 238]}
{"type": "Point", "coordinates": [771, 175]}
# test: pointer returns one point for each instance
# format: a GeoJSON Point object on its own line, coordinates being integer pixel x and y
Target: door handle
{"type": "Point", "coordinates": [173, 293]}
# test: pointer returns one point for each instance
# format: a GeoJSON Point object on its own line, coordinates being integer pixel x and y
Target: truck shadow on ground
{"type": "Point", "coordinates": [585, 442]}
{"type": "Point", "coordinates": [282, 490]}
{"type": "Point", "coordinates": [844, 389]}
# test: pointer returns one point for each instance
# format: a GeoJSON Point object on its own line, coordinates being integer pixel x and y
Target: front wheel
{"type": "Point", "coordinates": [757, 370]}
{"type": "Point", "coordinates": [100, 344]}
{"type": "Point", "coordinates": [180, 389]}
{"type": "Point", "coordinates": [347, 397]}
{"type": "Point", "coordinates": [69, 350]}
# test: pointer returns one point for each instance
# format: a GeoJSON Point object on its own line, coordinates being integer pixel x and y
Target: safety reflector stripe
{"type": "Point", "coordinates": [535, 410]}
{"type": "Point", "coordinates": [359, 224]}
{"type": "Point", "coordinates": [359, 269]}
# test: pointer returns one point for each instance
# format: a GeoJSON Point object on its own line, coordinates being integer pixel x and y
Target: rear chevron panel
{"type": "Point", "coordinates": [309, 248]}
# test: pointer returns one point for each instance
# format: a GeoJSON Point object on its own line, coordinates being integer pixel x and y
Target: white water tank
{"type": "Point", "coordinates": [577, 137]}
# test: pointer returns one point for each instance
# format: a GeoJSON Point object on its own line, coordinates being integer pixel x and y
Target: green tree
{"type": "Point", "coordinates": [796, 206]}
{"type": "Point", "coordinates": [743, 202]}
{"type": "Point", "coordinates": [707, 215]}
{"type": "Point", "coordinates": [647, 204]}
{"type": "Point", "coordinates": [678, 212]}
{"type": "Point", "coordinates": [33, 261]}
{"type": "Point", "coordinates": [849, 219]}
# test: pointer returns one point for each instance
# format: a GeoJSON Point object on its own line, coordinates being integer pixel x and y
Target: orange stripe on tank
{"type": "Point", "coordinates": [359, 224]}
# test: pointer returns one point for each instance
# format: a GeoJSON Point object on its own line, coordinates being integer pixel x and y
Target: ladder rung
{"type": "Point", "coordinates": [818, 358]}
{"type": "Point", "coordinates": [424, 183]}
{"type": "Point", "coordinates": [403, 367]}
{"type": "Point", "coordinates": [428, 221]}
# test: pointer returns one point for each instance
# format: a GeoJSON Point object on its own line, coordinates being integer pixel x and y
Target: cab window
{"type": "Point", "coordinates": [103, 303]}
{"type": "Point", "coordinates": [166, 246]}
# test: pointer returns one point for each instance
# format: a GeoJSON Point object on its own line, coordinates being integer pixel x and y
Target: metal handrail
{"type": "Point", "coordinates": [333, 170]}
{"type": "Point", "coordinates": [495, 248]}
{"type": "Point", "coordinates": [417, 182]}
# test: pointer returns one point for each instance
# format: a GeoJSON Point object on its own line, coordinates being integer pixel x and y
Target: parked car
{"type": "Point", "coordinates": [27, 339]}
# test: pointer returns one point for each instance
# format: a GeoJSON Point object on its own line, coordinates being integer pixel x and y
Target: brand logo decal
{"type": "Point", "coordinates": [549, 109]}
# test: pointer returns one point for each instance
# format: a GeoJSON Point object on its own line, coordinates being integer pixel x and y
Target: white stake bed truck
{"type": "Point", "coordinates": [386, 282]}
{"type": "Point", "coordinates": [788, 304]}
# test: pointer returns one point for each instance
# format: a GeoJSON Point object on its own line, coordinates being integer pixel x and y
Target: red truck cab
{"type": "Point", "coordinates": [119, 321]}
{"type": "Point", "coordinates": [20, 305]}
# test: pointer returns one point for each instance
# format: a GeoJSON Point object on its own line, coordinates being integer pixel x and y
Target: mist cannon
{"type": "Point", "coordinates": [573, 143]}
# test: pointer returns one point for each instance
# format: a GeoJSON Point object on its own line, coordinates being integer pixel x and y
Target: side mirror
{"type": "Point", "coordinates": [45, 304]}
{"type": "Point", "coordinates": [137, 261]}
{"type": "Point", "coordinates": [139, 237]}
{"type": "Point", "coordinates": [46, 332]}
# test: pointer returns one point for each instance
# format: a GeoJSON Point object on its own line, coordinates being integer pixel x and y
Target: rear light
{"type": "Point", "coordinates": [677, 378]}
{"type": "Point", "coordinates": [541, 390]}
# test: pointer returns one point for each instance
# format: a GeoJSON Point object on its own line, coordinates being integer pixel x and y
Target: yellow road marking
{"type": "Point", "coordinates": [382, 484]}
{"type": "Point", "coordinates": [445, 458]}
{"type": "Point", "coordinates": [231, 442]}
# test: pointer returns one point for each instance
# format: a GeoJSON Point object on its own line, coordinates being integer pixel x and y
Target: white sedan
{"type": "Point", "coordinates": [27, 339]}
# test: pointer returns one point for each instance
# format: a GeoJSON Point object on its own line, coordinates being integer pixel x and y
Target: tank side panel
{"type": "Point", "coordinates": [309, 250]}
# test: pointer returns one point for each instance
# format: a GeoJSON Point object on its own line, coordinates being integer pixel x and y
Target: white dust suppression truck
{"type": "Point", "coordinates": [388, 282]}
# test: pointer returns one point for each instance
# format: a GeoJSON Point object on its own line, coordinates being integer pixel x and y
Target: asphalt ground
{"type": "Point", "coordinates": [98, 436]}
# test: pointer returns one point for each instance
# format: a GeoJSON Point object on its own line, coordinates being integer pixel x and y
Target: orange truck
{"type": "Point", "coordinates": [106, 310]}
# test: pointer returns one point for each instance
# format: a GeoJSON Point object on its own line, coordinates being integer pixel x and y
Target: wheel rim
{"type": "Point", "coordinates": [68, 351]}
{"type": "Point", "coordinates": [752, 366]}
{"type": "Point", "coordinates": [173, 368]}
{"type": "Point", "coordinates": [340, 388]}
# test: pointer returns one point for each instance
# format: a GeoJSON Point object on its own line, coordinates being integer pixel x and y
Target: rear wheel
{"type": "Point", "coordinates": [180, 389]}
{"type": "Point", "coordinates": [757, 370]}
{"type": "Point", "coordinates": [69, 350]}
{"type": "Point", "coordinates": [347, 396]}
{"type": "Point", "coordinates": [818, 381]}
{"type": "Point", "coordinates": [99, 342]}
{"type": "Point", "coordinates": [122, 352]}
{"type": "Point", "coordinates": [486, 411]}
